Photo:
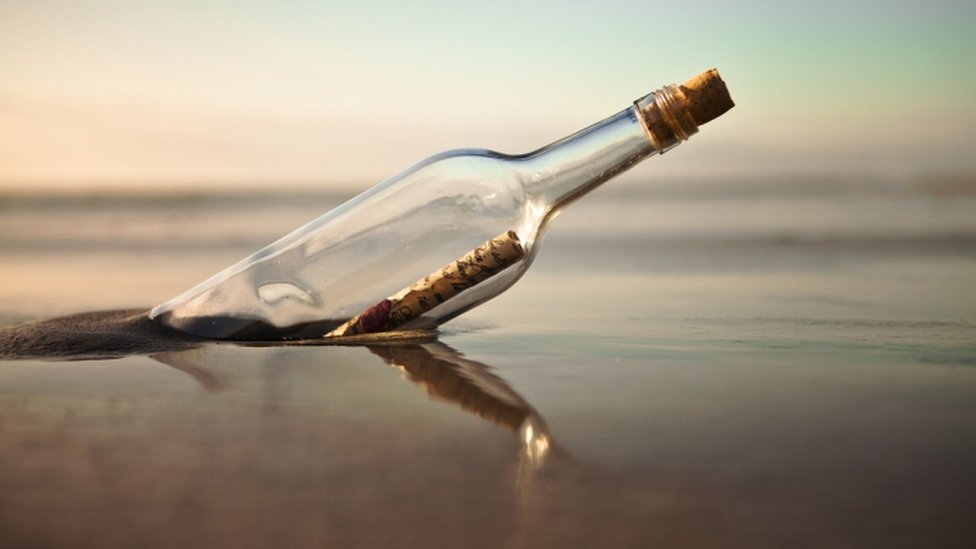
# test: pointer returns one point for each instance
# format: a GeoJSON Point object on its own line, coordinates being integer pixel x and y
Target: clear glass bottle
{"type": "Point", "coordinates": [363, 254]}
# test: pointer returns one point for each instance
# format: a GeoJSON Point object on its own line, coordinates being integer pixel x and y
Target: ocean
{"type": "Point", "coordinates": [699, 362]}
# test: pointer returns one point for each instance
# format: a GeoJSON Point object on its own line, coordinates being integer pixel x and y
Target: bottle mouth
{"type": "Point", "coordinates": [666, 118]}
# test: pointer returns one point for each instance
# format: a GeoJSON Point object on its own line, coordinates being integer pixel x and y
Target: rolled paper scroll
{"type": "Point", "coordinates": [478, 265]}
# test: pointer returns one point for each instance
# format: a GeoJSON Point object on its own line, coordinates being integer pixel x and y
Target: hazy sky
{"type": "Point", "coordinates": [137, 93]}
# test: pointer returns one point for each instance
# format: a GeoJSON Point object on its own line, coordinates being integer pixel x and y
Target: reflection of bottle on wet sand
{"type": "Point", "coordinates": [448, 376]}
{"type": "Point", "coordinates": [441, 371]}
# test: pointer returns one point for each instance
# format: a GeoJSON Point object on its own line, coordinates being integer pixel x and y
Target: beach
{"type": "Point", "coordinates": [688, 363]}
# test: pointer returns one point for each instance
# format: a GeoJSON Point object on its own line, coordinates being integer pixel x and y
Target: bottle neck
{"type": "Point", "coordinates": [569, 168]}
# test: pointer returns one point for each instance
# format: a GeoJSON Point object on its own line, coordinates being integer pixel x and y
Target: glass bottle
{"type": "Point", "coordinates": [417, 249]}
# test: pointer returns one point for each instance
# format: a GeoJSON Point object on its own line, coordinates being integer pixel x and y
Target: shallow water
{"type": "Point", "coordinates": [733, 365]}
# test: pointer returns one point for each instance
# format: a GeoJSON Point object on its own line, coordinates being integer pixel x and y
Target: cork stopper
{"type": "Point", "coordinates": [707, 96]}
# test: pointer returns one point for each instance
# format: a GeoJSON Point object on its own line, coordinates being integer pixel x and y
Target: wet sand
{"type": "Point", "coordinates": [90, 336]}
{"type": "Point", "coordinates": [728, 382]}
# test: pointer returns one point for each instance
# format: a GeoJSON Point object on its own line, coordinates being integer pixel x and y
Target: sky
{"type": "Point", "coordinates": [196, 94]}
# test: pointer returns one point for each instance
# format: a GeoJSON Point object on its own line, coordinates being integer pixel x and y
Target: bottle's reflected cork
{"type": "Point", "coordinates": [478, 265]}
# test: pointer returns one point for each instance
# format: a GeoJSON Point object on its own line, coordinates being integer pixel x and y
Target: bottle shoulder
{"type": "Point", "coordinates": [457, 168]}
{"type": "Point", "coordinates": [472, 155]}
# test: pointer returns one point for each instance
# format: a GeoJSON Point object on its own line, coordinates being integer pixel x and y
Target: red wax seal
{"type": "Point", "coordinates": [375, 318]}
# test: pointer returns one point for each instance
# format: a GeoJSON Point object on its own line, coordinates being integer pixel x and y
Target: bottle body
{"type": "Point", "coordinates": [386, 239]}
{"type": "Point", "coordinates": [312, 280]}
